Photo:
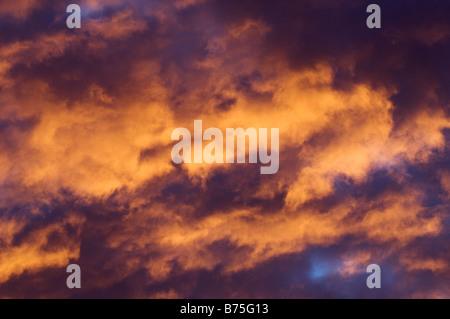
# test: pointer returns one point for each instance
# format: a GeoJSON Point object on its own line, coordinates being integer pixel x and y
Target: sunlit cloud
{"type": "Point", "coordinates": [86, 174]}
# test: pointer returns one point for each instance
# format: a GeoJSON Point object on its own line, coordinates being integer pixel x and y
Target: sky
{"type": "Point", "coordinates": [86, 175]}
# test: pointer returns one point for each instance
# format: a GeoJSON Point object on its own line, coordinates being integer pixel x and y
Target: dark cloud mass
{"type": "Point", "coordinates": [86, 176]}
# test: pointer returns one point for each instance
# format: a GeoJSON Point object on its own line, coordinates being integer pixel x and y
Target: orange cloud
{"type": "Point", "coordinates": [36, 252]}
{"type": "Point", "coordinates": [118, 26]}
{"type": "Point", "coordinates": [87, 117]}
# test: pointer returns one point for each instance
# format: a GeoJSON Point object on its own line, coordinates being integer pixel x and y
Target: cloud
{"type": "Point", "coordinates": [18, 9]}
{"type": "Point", "coordinates": [86, 174]}
{"type": "Point", "coordinates": [118, 26]}
{"type": "Point", "coordinates": [49, 246]}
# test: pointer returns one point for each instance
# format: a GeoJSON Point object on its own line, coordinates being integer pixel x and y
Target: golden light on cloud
{"type": "Point", "coordinates": [87, 173]}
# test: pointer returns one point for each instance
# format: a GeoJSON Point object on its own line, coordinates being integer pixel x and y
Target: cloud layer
{"type": "Point", "coordinates": [86, 176]}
